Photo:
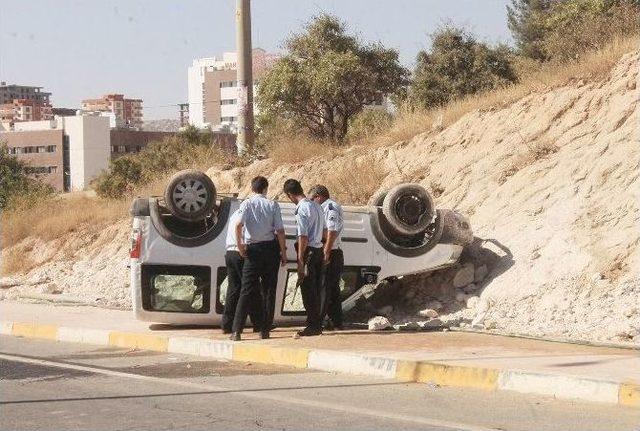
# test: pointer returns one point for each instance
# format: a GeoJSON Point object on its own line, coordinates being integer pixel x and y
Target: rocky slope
{"type": "Point", "coordinates": [550, 184]}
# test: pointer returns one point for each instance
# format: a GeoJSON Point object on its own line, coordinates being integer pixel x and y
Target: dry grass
{"type": "Point", "coordinates": [534, 77]}
{"type": "Point", "coordinates": [298, 148]}
{"type": "Point", "coordinates": [54, 218]}
{"type": "Point", "coordinates": [353, 182]}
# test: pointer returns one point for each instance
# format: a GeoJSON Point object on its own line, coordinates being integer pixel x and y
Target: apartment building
{"type": "Point", "coordinates": [184, 114]}
{"type": "Point", "coordinates": [213, 88]}
{"type": "Point", "coordinates": [24, 103]}
{"type": "Point", "coordinates": [10, 92]}
{"type": "Point", "coordinates": [66, 152]}
{"type": "Point", "coordinates": [127, 112]}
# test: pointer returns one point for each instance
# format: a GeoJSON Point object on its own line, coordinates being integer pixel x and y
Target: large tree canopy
{"type": "Point", "coordinates": [327, 77]}
{"type": "Point", "coordinates": [458, 65]}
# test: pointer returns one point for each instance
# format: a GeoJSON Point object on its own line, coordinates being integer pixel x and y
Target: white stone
{"type": "Point", "coordinates": [464, 276]}
{"type": "Point", "coordinates": [472, 302]}
{"type": "Point", "coordinates": [428, 312]}
{"type": "Point", "coordinates": [378, 323]}
{"type": "Point", "coordinates": [480, 273]}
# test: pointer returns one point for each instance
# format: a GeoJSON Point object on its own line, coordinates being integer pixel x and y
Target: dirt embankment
{"type": "Point", "coordinates": [551, 187]}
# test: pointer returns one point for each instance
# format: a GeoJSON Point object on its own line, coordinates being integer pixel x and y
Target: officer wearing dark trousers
{"type": "Point", "coordinates": [333, 257]}
{"type": "Point", "coordinates": [310, 227]}
{"type": "Point", "coordinates": [261, 241]}
{"type": "Point", "coordinates": [235, 263]}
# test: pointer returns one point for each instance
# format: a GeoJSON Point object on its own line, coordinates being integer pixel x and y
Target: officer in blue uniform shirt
{"type": "Point", "coordinates": [333, 257]}
{"type": "Point", "coordinates": [235, 263]}
{"type": "Point", "coordinates": [261, 241]}
{"type": "Point", "coordinates": [310, 231]}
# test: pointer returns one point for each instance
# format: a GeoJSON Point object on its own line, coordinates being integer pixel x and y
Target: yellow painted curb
{"type": "Point", "coordinates": [138, 341]}
{"type": "Point", "coordinates": [447, 375]}
{"type": "Point", "coordinates": [271, 355]}
{"type": "Point", "coordinates": [629, 395]}
{"type": "Point", "coordinates": [33, 330]}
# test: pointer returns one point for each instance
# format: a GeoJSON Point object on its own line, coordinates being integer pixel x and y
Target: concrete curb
{"type": "Point", "coordinates": [559, 386]}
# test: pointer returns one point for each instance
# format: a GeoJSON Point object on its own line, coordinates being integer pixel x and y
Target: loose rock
{"type": "Point", "coordinates": [480, 273]}
{"type": "Point", "coordinates": [464, 276]}
{"type": "Point", "coordinates": [472, 302]}
{"type": "Point", "coordinates": [378, 323]}
{"type": "Point", "coordinates": [428, 312]}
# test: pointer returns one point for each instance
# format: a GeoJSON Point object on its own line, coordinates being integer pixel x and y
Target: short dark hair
{"type": "Point", "coordinates": [259, 184]}
{"type": "Point", "coordinates": [319, 190]}
{"type": "Point", "coordinates": [292, 187]}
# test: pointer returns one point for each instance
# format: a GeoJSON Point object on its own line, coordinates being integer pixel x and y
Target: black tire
{"type": "Point", "coordinates": [378, 198]}
{"type": "Point", "coordinates": [408, 209]}
{"type": "Point", "coordinates": [190, 195]}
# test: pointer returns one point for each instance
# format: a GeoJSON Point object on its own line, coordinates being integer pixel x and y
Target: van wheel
{"type": "Point", "coordinates": [408, 209]}
{"type": "Point", "coordinates": [190, 195]}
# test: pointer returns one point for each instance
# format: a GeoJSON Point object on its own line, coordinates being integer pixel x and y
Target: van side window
{"type": "Point", "coordinates": [353, 278]}
{"type": "Point", "coordinates": [176, 288]}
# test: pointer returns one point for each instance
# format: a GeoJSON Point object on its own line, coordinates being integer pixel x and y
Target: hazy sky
{"type": "Point", "coordinates": [84, 48]}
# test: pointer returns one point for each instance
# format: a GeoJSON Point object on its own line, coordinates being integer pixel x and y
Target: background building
{"type": "Point", "coordinates": [127, 112]}
{"type": "Point", "coordinates": [24, 103]}
{"type": "Point", "coordinates": [213, 88]}
{"type": "Point", "coordinates": [67, 152]}
{"type": "Point", "coordinates": [184, 114]}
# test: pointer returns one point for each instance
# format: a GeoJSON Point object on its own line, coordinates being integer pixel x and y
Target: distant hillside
{"type": "Point", "coordinates": [166, 125]}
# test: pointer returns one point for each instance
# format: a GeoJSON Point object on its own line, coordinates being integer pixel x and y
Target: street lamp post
{"type": "Point", "coordinates": [245, 76]}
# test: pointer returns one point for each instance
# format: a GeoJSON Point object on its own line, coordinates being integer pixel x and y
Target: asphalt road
{"type": "Point", "coordinates": [65, 386]}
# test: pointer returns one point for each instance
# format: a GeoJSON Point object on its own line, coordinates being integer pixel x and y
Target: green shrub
{"type": "Point", "coordinates": [158, 159]}
{"type": "Point", "coordinates": [17, 188]}
{"type": "Point", "coordinates": [369, 123]}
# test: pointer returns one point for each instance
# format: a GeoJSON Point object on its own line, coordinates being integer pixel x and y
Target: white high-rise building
{"type": "Point", "coordinates": [213, 88]}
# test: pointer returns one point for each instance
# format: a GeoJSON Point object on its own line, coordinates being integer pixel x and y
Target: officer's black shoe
{"type": "Point", "coordinates": [264, 335]}
{"type": "Point", "coordinates": [329, 326]}
{"type": "Point", "coordinates": [309, 332]}
{"type": "Point", "coordinates": [235, 336]}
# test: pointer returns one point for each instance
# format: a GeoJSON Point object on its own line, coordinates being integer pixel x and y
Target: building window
{"type": "Point", "coordinates": [41, 149]}
{"type": "Point", "coordinates": [122, 149]}
{"type": "Point", "coordinates": [229, 101]}
{"type": "Point", "coordinates": [227, 84]}
{"type": "Point", "coordinates": [114, 149]}
{"type": "Point", "coordinates": [51, 148]}
{"type": "Point", "coordinates": [228, 119]}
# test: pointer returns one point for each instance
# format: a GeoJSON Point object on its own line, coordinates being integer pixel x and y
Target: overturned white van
{"type": "Point", "coordinates": [178, 273]}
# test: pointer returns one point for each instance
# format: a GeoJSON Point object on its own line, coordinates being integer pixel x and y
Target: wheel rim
{"type": "Point", "coordinates": [410, 209]}
{"type": "Point", "coordinates": [190, 196]}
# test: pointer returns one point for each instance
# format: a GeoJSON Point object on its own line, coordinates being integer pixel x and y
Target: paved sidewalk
{"type": "Point", "coordinates": [446, 358]}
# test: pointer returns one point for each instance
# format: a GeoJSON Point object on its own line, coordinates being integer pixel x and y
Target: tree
{"type": "Point", "coordinates": [526, 20]}
{"type": "Point", "coordinates": [564, 29]}
{"type": "Point", "coordinates": [14, 181]}
{"type": "Point", "coordinates": [327, 77]}
{"type": "Point", "coordinates": [458, 65]}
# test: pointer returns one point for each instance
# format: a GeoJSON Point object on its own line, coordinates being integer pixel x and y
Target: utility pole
{"type": "Point", "coordinates": [245, 76]}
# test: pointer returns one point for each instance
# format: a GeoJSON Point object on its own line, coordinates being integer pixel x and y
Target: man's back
{"type": "Point", "coordinates": [261, 218]}
{"type": "Point", "coordinates": [310, 220]}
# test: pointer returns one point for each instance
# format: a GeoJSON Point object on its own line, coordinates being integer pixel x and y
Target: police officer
{"type": "Point", "coordinates": [235, 263]}
{"type": "Point", "coordinates": [333, 257]}
{"type": "Point", "coordinates": [261, 241]}
{"type": "Point", "coordinates": [310, 230]}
